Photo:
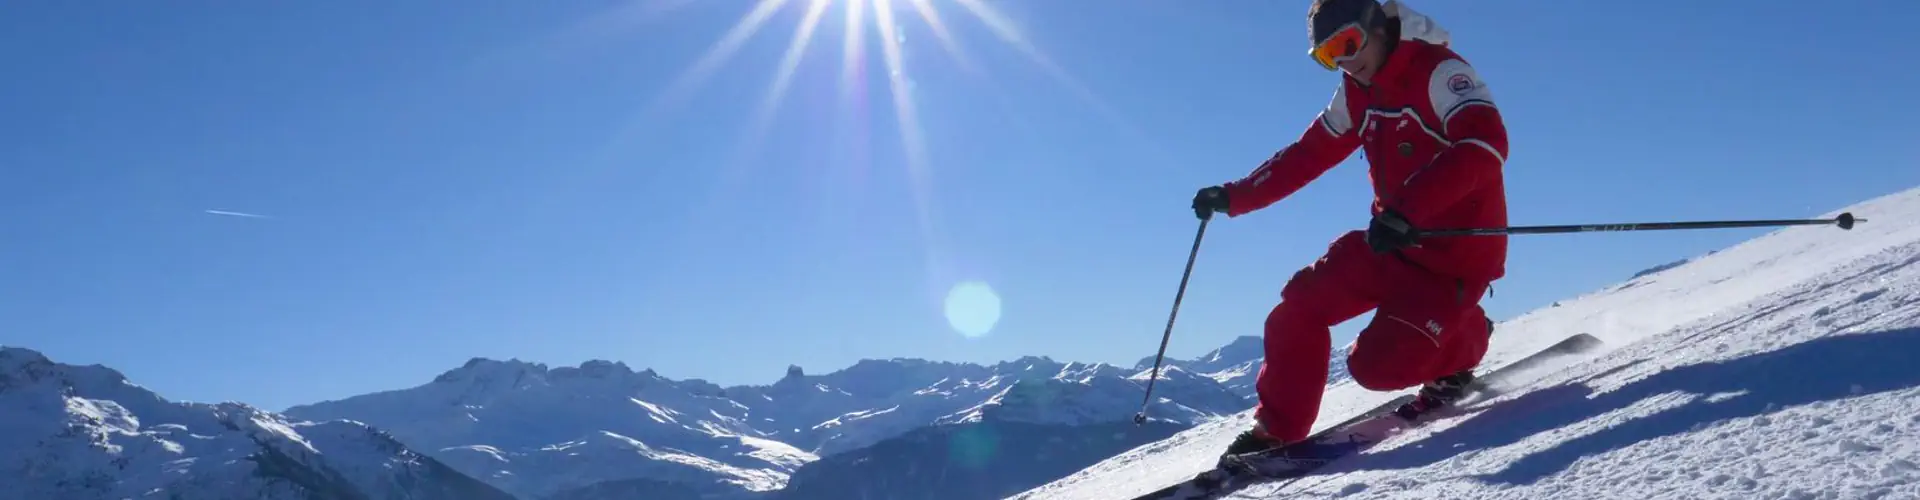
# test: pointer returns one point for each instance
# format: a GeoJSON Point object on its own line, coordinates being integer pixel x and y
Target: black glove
{"type": "Point", "coordinates": [1389, 231]}
{"type": "Point", "coordinates": [1210, 199]}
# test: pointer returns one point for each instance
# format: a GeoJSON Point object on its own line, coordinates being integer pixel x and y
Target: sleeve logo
{"type": "Point", "coordinates": [1460, 84]}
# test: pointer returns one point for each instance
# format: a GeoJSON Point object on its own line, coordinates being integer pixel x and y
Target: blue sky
{"type": "Point", "coordinates": [439, 180]}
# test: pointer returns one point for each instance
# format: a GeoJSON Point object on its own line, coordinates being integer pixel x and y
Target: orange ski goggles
{"type": "Point", "coordinates": [1341, 47]}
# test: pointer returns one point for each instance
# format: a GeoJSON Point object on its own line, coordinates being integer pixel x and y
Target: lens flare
{"type": "Point", "coordinates": [973, 308]}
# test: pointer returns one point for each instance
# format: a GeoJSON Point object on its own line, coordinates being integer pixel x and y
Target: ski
{"type": "Point", "coordinates": [1348, 438]}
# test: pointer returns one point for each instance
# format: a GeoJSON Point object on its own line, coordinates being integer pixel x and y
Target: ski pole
{"type": "Point", "coordinates": [1844, 221]}
{"type": "Point", "coordinates": [1141, 418]}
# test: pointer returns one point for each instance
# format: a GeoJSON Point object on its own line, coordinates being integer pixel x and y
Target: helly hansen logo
{"type": "Point", "coordinates": [1431, 331]}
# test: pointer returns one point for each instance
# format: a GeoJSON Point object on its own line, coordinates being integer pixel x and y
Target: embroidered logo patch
{"type": "Point", "coordinates": [1460, 83]}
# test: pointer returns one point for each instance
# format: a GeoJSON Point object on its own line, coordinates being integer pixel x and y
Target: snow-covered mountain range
{"type": "Point", "coordinates": [86, 432]}
{"type": "Point", "coordinates": [538, 431]}
{"type": "Point", "coordinates": [1777, 368]}
{"type": "Point", "coordinates": [1237, 364]}
{"type": "Point", "coordinates": [603, 430]}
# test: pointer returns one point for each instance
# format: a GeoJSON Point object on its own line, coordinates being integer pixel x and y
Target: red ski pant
{"type": "Point", "coordinates": [1425, 326]}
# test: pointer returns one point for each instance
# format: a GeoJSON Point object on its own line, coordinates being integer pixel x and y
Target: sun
{"type": "Point", "coordinates": [972, 306]}
{"type": "Point", "coordinates": [887, 26]}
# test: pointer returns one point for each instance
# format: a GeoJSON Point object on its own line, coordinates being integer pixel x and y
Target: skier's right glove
{"type": "Point", "coordinates": [1209, 200]}
{"type": "Point", "coordinates": [1389, 232]}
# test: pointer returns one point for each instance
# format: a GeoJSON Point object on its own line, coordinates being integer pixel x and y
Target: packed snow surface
{"type": "Point", "coordinates": [1781, 367]}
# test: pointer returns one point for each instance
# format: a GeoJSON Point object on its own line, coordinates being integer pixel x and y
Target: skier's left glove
{"type": "Point", "coordinates": [1389, 231]}
{"type": "Point", "coordinates": [1209, 200]}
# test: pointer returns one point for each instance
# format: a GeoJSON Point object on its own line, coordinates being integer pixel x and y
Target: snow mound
{"type": "Point", "coordinates": [1776, 368]}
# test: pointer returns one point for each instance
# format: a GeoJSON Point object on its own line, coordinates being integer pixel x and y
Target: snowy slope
{"type": "Point", "coordinates": [85, 432]}
{"type": "Point", "coordinates": [536, 431]}
{"type": "Point", "coordinates": [1777, 368]}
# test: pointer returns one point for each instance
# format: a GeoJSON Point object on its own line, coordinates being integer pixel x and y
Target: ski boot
{"type": "Point", "coordinates": [1250, 441]}
{"type": "Point", "coordinates": [1442, 391]}
{"type": "Point", "coordinates": [1253, 454]}
{"type": "Point", "coordinates": [1438, 393]}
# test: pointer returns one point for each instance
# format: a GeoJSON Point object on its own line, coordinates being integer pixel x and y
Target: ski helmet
{"type": "Point", "coordinates": [1336, 29]}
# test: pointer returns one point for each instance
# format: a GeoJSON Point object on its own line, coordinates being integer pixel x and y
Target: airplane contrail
{"type": "Point", "coordinates": [236, 214]}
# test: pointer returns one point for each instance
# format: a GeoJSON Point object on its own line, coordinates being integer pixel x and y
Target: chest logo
{"type": "Point", "coordinates": [1406, 149]}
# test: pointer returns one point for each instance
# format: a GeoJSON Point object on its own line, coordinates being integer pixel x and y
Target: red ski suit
{"type": "Point", "coordinates": [1435, 145]}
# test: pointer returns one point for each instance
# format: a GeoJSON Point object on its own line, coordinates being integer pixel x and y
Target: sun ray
{"type": "Point", "coordinates": [689, 79]}
{"type": "Point", "coordinates": [610, 153]}
{"type": "Point", "coordinates": [1005, 29]}
{"type": "Point", "coordinates": [903, 108]}
{"type": "Point", "coordinates": [623, 19]}
{"type": "Point", "coordinates": [752, 138]}
{"type": "Point", "coordinates": [852, 105]}
{"type": "Point", "coordinates": [912, 137]}
{"type": "Point", "coordinates": [721, 51]}
{"type": "Point", "coordinates": [853, 51]}
{"type": "Point", "coordinates": [790, 60]}
{"type": "Point", "coordinates": [931, 16]}
{"type": "Point", "coordinates": [776, 92]}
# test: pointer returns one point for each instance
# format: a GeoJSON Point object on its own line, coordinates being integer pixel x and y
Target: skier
{"type": "Point", "coordinates": [1435, 144]}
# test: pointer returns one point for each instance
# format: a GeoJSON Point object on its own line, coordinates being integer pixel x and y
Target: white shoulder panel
{"type": "Point", "coordinates": [1417, 26]}
{"type": "Point", "coordinates": [1337, 118]}
{"type": "Point", "coordinates": [1455, 86]}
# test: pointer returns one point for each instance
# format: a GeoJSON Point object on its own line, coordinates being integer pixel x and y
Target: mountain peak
{"type": "Point", "coordinates": [94, 434]}
{"type": "Point", "coordinates": [1239, 350]}
{"type": "Point", "coordinates": [490, 370]}
{"type": "Point", "coordinates": [19, 366]}
{"type": "Point", "coordinates": [13, 353]}
{"type": "Point", "coordinates": [1025, 362]}
{"type": "Point", "coordinates": [596, 369]}
{"type": "Point", "coordinates": [794, 371]}
{"type": "Point", "coordinates": [19, 358]}
{"type": "Point", "coordinates": [1244, 344]}
{"type": "Point", "coordinates": [891, 363]}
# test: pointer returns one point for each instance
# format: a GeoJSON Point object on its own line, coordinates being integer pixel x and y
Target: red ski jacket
{"type": "Point", "coordinates": [1434, 143]}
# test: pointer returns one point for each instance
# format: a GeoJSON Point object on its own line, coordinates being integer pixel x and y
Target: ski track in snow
{"type": "Point", "coordinates": [1777, 368]}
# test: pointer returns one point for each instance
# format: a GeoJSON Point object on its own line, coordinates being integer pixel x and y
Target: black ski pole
{"type": "Point", "coordinates": [1844, 221]}
{"type": "Point", "coordinates": [1141, 418]}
